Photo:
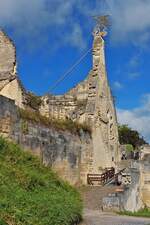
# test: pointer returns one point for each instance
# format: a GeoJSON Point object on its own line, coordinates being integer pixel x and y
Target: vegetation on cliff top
{"type": "Point", "coordinates": [130, 136]}
{"type": "Point", "coordinates": [33, 101]}
{"type": "Point", "coordinates": [36, 117]}
{"type": "Point", "coordinates": [31, 193]}
{"type": "Point", "coordinates": [141, 213]}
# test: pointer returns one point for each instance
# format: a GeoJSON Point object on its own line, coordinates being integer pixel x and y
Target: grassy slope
{"type": "Point", "coordinates": [31, 193]}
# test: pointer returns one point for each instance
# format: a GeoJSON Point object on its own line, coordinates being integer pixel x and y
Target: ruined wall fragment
{"type": "Point", "coordinates": [67, 153]}
{"type": "Point", "coordinates": [91, 102]}
{"type": "Point", "coordinates": [9, 83]}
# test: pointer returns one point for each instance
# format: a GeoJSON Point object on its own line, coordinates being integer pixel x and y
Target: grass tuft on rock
{"type": "Point", "coordinates": [67, 124]}
{"type": "Point", "coordinates": [31, 194]}
{"type": "Point", "coordinates": [141, 213]}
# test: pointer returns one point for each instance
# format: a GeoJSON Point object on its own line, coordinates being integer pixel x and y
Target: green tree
{"type": "Point", "coordinates": [130, 136]}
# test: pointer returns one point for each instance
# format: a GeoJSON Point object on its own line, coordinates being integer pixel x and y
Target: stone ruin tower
{"type": "Point", "coordinates": [101, 110]}
{"type": "Point", "coordinates": [91, 102]}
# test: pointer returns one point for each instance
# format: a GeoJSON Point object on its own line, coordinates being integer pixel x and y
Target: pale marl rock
{"type": "Point", "coordinates": [90, 102]}
{"type": "Point", "coordinates": [13, 91]}
{"type": "Point", "coordinates": [67, 153]}
{"type": "Point", "coordinates": [73, 156]}
{"type": "Point", "coordinates": [7, 58]}
{"type": "Point", "coordinates": [9, 84]}
{"type": "Point", "coordinates": [145, 175]}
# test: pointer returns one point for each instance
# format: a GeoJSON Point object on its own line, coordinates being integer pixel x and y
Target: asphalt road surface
{"type": "Point", "coordinates": [93, 217]}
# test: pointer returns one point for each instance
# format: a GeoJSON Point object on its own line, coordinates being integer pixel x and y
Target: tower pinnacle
{"type": "Point", "coordinates": [102, 23]}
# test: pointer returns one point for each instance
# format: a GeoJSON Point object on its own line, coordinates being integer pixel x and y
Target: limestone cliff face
{"type": "Point", "coordinates": [145, 175]}
{"type": "Point", "coordinates": [137, 194]}
{"type": "Point", "coordinates": [105, 131]}
{"type": "Point", "coordinates": [91, 102]}
{"type": "Point", "coordinates": [67, 153]}
{"type": "Point", "coordinates": [7, 60]}
{"type": "Point", "coordinates": [9, 83]}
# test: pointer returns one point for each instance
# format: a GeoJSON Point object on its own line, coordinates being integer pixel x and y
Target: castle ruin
{"type": "Point", "coordinates": [90, 102]}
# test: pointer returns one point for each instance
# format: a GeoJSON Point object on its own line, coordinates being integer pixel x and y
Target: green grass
{"type": "Point", "coordinates": [67, 124]}
{"type": "Point", "coordinates": [141, 213]}
{"type": "Point", "coordinates": [31, 193]}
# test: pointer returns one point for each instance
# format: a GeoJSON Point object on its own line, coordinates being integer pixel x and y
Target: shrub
{"type": "Point", "coordinates": [130, 136]}
{"type": "Point", "coordinates": [24, 127]}
{"type": "Point", "coordinates": [3, 144]}
{"type": "Point", "coordinates": [33, 101]}
{"type": "Point", "coordinates": [129, 148]}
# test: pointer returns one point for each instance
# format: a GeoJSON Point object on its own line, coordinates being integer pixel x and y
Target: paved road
{"type": "Point", "coordinates": [93, 217]}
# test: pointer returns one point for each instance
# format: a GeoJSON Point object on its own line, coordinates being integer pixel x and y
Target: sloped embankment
{"type": "Point", "coordinates": [31, 193]}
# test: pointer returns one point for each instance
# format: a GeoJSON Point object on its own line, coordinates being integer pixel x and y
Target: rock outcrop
{"type": "Point", "coordinates": [7, 60]}
{"type": "Point", "coordinates": [134, 193]}
{"type": "Point", "coordinates": [10, 86]}
{"type": "Point", "coordinates": [145, 175]}
{"type": "Point", "coordinates": [90, 102]}
{"type": "Point", "coordinates": [67, 153]}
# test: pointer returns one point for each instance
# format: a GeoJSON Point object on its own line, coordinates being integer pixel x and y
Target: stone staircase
{"type": "Point", "coordinates": [93, 196]}
{"type": "Point", "coordinates": [124, 164]}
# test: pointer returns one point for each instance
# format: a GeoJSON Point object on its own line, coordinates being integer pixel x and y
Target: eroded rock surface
{"type": "Point", "coordinates": [90, 103]}
{"type": "Point", "coordinates": [10, 86]}
{"type": "Point", "coordinates": [7, 60]}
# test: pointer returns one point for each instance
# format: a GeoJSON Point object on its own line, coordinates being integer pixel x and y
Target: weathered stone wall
{"type": "Point", "coordinates": [9, 83]}
{"type": "Point", "coordinates": [145, 177]}
{"type": "Point", "coordinates": [137, 195]}
{"type": "Point", "coordinates": [132, 200]}
{"type": "Point", "coordinates": [7, 59]}
{"type": "Point", "coordinates": [67, 153]}
{"type": "Point", "coordinates": [91, 102]}
{"type": "Point", "coordinates": [134, 194]}
{"type": "Point", "coordinates": [127, 197]}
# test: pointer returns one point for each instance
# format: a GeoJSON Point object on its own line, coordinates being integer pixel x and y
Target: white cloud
{"type": "Point", "coordinates": [134, 75]}
{"type": "Point", "coordinates": [60, 18]}
{"type": "Point", "coordinates": [134, 61]}
{"type": "Point", "coordinates": [117, 85]}
{"type": "Point", "coordinates": [76, 37]}
{"type": "Point", "coordinates": [134, 66]}
{"type": "Point", "coordinates": [138, 118]}
{"type": "Point", "coordinates": [33, 21]}
{"type": "Point", "coordinates": [130, 20]}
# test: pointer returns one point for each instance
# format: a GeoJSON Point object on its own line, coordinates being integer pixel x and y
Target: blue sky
{"type": "Point", "coordinates": [51, 35]}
